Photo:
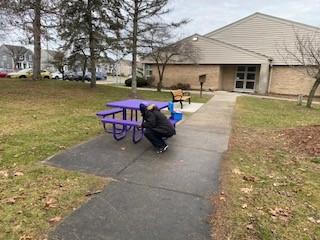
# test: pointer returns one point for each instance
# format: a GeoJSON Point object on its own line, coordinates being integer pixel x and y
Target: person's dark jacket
{"type": "Point", "coordinates": [158, 122]}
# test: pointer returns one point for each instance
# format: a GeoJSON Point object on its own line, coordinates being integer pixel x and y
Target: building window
{"type": "Point", "coordinates": [148, 71]}
{"type": "Point", "coordinates": [4, 58]}
{"type": "Point", "coordinates": [30, 58]}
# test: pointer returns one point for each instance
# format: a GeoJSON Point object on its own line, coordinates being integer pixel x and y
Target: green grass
{"type": "Point", "coordinates": [37, 120]}
{"type": "Point", "coordinates": [283, 178]}
{"type": "Point", "coordinates": [272, 114]}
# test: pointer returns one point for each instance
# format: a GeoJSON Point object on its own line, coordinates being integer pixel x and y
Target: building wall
{"type": "Point", "coordinates": [291, 81]}
{"type": "Point", "coordinates": [175, 74]}
{"type": "Point", "coordinates": [265, 34]}
{"type": "Point", "coordinates": [228, 76]}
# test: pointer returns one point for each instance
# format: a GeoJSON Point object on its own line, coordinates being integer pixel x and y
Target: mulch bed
{"type": "Point", "coordinates": [305, 140]}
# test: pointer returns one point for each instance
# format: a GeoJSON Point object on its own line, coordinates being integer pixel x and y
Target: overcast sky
{"type": "Point", "coordinates": [208, 15]}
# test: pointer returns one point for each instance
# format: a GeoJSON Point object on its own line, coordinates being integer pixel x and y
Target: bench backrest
{"type": "Point", "coordinates": [177, 94]}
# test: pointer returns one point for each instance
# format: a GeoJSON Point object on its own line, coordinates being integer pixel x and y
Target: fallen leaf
{"type": "Point", "coordinates": [244, 206]}
{"type": "Point", "coordinates": [11, 200]}
{"type": "Point", "coordinates": [246, 190]}
{"type": "Point", "coordinates": [280, 213]}
{"type": "Point", "coordinates": [311, 219]}
{"type": "Point", "coordinates": [51, 203]}
{"type": "Point", "coordinates": [222, 199]}
{"type": "Point", "coordinates": [25, 237]}
{"type": "Point", "coordinates": [17, 174]}
{"type": "Point", "coordinates": [250, 227]}
{"type": "Point", "coordinates": [236, 171]}
{"type": "Point", "coordinates": [4, 174]}
{"type": "Point", "coordinates": [55, 219]}
{"type": "Point", "coordinates": [123, 148]}
{"type": "Point", "coordinates": [250, 178]}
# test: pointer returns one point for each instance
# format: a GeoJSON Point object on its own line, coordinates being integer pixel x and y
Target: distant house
{"type": "Point", "coordinates": [123, 67]}
{"type": "Point", "coordinates": [47, 57]}
{"type": "Point", "coordinates": [244, 56]}
{"type": "Point", "coordinates": [15, 57]}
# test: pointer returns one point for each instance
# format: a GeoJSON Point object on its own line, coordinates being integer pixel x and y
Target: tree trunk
{"type": "Point", "coordinates": [37, 41]}
{"type": "Point", "coordinates": [84, 68]}
{"type": "Point", "coordinates": [313, 91]}
{"type": "Point", "coordinates": [134, 50]}
{"type": "Point", "coordinates": [161, 73]}
{"type": "Point", "coordinates": [92, 47]}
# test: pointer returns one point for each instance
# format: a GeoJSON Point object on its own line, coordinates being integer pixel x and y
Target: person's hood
{"type": "Point", "coordinates": [143, 107]}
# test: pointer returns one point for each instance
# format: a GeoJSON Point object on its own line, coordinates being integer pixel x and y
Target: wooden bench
{"type": "Point", "coordinates": [180, 96]}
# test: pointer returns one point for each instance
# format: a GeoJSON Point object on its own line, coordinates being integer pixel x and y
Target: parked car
{"type": "Point", "coordinates": [77, 76]}
{"type": "Point", "coordinates": [99, 76]}
{"type": "Point", "coordinates": [57, 75]}
{"type": "Point", "coordinates": [3, 74]}
{"type": "Point", "coordinates": [73, 76]}
{"type": "Point", "coordinates": [27, 73]}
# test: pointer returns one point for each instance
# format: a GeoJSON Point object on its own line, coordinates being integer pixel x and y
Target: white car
{"type": "Point", "coordinates": [57, 75]}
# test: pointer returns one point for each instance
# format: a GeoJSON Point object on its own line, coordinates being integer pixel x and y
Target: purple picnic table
{"type": "Point", "coordinates": [133, 105]}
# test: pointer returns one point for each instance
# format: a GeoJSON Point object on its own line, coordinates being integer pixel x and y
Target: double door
{"type": "Point", "coordinates": [246, 78]}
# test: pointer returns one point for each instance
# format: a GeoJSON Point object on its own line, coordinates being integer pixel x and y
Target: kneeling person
{"type": "Point", "coordinates": [157, 126]}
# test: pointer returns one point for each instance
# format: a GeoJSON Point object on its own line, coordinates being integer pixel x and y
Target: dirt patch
{"type": "Point", "coordinates": [305, 140]}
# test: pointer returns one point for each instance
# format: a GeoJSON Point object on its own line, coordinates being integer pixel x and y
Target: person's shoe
{"type": "Point", "coordinates": [163, 149]}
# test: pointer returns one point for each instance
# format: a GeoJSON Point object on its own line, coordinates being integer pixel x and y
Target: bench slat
{"type": "Point", "coordinates": [108, 112]}
{"type": "Point", "coordinates": [121, 121]}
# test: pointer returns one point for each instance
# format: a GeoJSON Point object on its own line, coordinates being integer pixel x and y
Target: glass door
{"type": "Point", "coordinates": [245, 78]}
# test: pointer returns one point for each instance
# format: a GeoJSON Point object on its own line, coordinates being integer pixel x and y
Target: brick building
{"type": "Point", "coordinates": [245, 56]}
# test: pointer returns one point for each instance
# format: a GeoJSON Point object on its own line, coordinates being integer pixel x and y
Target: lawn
{"type": "Point", "coordinates": [270, 184]}
{"type": "Point", "coordinates": [37, 120]}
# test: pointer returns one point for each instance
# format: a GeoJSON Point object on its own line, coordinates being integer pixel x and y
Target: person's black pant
{"type": "Point", "coordinates": [155, 138]}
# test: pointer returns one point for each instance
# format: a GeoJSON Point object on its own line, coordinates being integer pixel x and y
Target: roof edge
{"type": "Point", "coordinates": [278, 19]}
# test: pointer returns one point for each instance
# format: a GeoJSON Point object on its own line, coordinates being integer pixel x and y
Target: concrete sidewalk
{"type": "Point", "coordinates": [158, 197]}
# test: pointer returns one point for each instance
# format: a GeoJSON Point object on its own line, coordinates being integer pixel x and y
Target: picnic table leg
{"type": "Point", "coordinates": [119, 130]}
{"type": "Point", "coordinates": [136, 137]}
{"type": "Point", "coordinates": [119, 135]}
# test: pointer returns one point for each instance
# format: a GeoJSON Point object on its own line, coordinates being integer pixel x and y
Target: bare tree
{"type": "Point", "coordinates": [306, 54]}
{"type": "Point", "coordinates": [142, 17]}
{"type": "Point", "coordinates": [60, 61]}
{"type": "Point", "coordinates": [163, 50]}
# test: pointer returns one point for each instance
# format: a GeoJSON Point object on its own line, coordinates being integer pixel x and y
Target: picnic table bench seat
{"type": "Point", "coordinates": [180, 96]}
{"type": "Point", "coordinates": [121, 122]}
{"type": "Point", "coordinates": [108, 112]}
{"type": "Point", "coordinates": [119, 134]}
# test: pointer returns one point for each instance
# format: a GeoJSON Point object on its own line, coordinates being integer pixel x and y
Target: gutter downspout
{"type": "Point", "coordinates": [270, 75]}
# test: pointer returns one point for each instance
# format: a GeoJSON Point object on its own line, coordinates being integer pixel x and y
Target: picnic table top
{"type": "Point", "coordinates": [135, 104]}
